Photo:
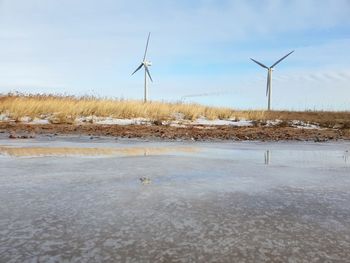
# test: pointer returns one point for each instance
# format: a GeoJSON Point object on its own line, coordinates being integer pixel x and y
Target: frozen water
{"type": "Point", "coordinates": [73, 199]}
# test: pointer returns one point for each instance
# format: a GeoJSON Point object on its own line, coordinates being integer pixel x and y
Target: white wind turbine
{"type": "Point", "coordinates": [269, 76]}
{"type": "Point", "coordinates": [145, 64]}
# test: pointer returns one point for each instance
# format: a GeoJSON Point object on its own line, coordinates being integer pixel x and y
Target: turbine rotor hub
{"type": "Point", "coordinates": [147, 63]}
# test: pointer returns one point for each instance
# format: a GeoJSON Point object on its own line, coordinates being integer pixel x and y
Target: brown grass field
{"type": "Point", "coordinates": [66, 108]}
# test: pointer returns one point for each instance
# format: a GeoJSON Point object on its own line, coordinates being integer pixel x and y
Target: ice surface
{"type": "Point", "coordinates": [207, 202]}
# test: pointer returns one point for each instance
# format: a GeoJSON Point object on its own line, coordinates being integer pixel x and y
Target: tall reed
{"type": "Point", "coordinates": [67, 108]}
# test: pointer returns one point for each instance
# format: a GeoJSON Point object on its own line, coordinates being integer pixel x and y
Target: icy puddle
{"type": "Point", "coordinates": [72, 199]}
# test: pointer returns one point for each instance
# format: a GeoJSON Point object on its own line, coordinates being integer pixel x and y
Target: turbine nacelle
{"type": "Point", "coordinates": [147, 63]}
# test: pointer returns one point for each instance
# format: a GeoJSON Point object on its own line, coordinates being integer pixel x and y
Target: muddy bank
{"type": "Point", "coordinates": [198, 132]}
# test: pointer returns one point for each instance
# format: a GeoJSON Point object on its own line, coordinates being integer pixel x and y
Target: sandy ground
{"type": "Point", "coordinates": [73, 199]}
{"type": "Point", "coordinates": [195, 132]}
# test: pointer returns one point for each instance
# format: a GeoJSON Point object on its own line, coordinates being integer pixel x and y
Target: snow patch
{"type": "Point", "coordinates": [304, 125]}
{"type": "Point", "coordinates": [111, 121]}
{"type": "Point", "coordinates": [25, 119]}
{"type": "Point", "coordinates": [270, 123]}
{"type": "Point", "coordinates": [4, 117]}
{"type": "Point", "coordinates": [39, 121]}
{"type": "Point", "coordinates": [178, 122]}
{"type": "Point", "coordinates": [238, 123]}
{"type": "Point", "coordinates": [178, 125]}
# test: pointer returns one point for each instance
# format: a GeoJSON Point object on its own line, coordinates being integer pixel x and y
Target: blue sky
{"type": "Point", "coordinates": [200, 50]}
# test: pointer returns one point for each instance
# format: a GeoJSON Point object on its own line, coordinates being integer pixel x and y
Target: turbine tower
{"type": "Point", "coordinates": [269, 76]}
{"type": "Point", "coordinates": [145, 63]}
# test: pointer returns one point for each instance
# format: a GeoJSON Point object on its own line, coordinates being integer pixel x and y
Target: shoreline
{"type": "Point", "coordinates": [191, 132]}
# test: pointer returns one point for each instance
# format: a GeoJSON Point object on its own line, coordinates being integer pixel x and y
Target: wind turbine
{"type": "Point", "coordinates": [145, 63]}
{"type": "Point", "coordinates": [269, 76]}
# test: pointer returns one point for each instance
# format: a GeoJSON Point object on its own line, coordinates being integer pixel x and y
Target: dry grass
{"type": "Point", "coordinates": [69, 107]}
{"type": "Point", "coordinates": [66, 108]}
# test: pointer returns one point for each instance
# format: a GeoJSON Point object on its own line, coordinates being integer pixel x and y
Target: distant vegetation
{"type": "Point", "coordinates": [71, 107]}
{"type": "Point", "coordinates": [65, 109]}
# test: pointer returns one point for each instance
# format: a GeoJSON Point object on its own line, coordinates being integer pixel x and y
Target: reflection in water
{"type": "Point", "coordinates": [302, 158]}
{"type": "Point", "coordinates": [69, 151]}
{"type": "Point", "coordinates": [267, 157]}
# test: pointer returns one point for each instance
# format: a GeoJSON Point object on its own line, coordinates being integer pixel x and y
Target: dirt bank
{"type": "Point", "coordinates": [20, 130]}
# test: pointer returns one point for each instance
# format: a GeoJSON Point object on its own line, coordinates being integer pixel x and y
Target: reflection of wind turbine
{"type": "Point", "coordinates": [346, 156]}
{"type": "Point", "coordinates": [267, 157]}
{"type": "Point", "coordinates": [145, 64]}
{"type": "Point", "coordinates": [269, 76]}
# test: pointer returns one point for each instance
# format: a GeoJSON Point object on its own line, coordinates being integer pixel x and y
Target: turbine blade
{"type": "Point", "coordinates": [278, 61]}
{"type": "Point", "coordinates": [260, 64]}
{"type": "Point", "coordinates": [268, 83]}
{"type": "Point", "coordinates": [149, 75]}
{"type": "Point", "coordinates": [137, 69]}
{"type": "Point", "coordinates": [144, 57]}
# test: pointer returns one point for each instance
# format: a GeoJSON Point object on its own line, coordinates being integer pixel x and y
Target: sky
{"type": "Point", "coordinates": [200, 50]}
